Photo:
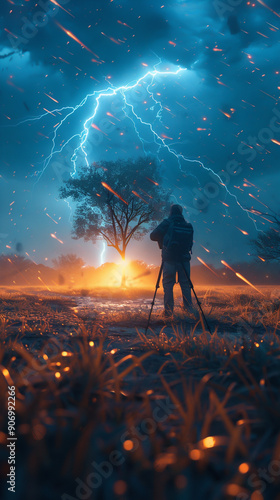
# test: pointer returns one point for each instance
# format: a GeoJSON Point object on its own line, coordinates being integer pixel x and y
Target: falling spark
{"type": "Point", "coordinates": [204, 263]}
{"type": "Point", "coordinates": [206, 249]}
{"type": "Point", "coordinates": [110, 114]}
{"type": "Point", "coordinates": [60, 6]}
{"type": "Point", "coordinates": [252, 196]}
{"type": "Point", "coordinates": [40, 279]}
{"type": "Point", "coordinates": [275, 142]}
{"type": "Point", "coordinates": [56, 238]}
{"type": "Point", "coordinates": [111, 38]}
{"type": "Point", "coordinates": [97, 128]}
{"type": "Point", "coordinates": [136, 194]}
{"type": "Point", "coordinates": [69, 33]}
{"type": "Point", "coordinates": [19, 272]}
{"type": "Point", "coordinates": [155, 183]}
{"type": "Point", "coordinates": [9, 82]}
{"type": "Point", "coordinates": [51, 218]}
{"type": "Point", "coordinates": [10, 33]}
{"type": "Point", "coordinates": [241, 277]}
{"type": "Point", "coordinates": [227, 265]}
{"type": "Point", "coordinates": [241, 230]}
{"type": "Point", "coordinates": [26, 253]}
{"type": "Point", "coordinates": [263, 260]}
{"type": "Point", "coordinates": [224, 113]}
{"type": "Point", "coordinates": [248, 282]}
{"type": "Point", "coordinates": [124, 24]}
{"type": "Point", "coordinates": [104, 184]}
{"type": "Point", "coordinates": [51, 97]}
{"type": "Point", "coordinates": [267, 7]}
{"type": "Point", "coordinates": [45, 109]}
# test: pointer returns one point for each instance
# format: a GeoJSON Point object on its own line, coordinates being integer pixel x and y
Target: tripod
{"type": "Point", "coordinates": [196, 298]}
{"type": "Point", "coordinates": [153, 302]}
{"type": "Point", "coordinates": [192, 288]}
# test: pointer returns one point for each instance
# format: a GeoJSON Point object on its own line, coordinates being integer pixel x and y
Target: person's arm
{"type": "Point", "coordinates": [159, 232]}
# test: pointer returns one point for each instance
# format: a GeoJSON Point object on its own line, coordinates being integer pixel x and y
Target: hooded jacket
{"type": "Point", "coordinates": [158, 234]}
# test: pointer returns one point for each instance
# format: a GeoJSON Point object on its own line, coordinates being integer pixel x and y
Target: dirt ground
{"type": "Point", "coordinates": [34, 315]}
{"type": "Point", "coordinates": [89, 369]}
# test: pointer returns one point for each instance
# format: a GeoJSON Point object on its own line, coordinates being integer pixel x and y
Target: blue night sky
{"type": "Point", "coordinates": [215, 115]}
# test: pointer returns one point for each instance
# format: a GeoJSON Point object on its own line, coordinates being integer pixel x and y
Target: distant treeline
{"type": "Point", "coordinates": [70, 271]}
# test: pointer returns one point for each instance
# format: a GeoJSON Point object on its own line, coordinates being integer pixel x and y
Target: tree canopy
{"type": "Point", "coordinates": [267, 244]}
{"type": "Point", "coordinates": [68, 261]}
{"type": "Point", "coordinates": [117, 201]}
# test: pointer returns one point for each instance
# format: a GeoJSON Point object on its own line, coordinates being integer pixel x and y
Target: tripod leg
{"type": "Point", "coordinates": [154, 298]}
{"type": "Point", "coordinates": [197, 300]}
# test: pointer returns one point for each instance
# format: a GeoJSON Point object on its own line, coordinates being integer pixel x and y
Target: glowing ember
{"type": "Point", "coordinates": [69, 33]}
{"type": "Point", "coordinates": [104, 184]}
{"type": "Point", "coordinates": [242, 231]}
{"type": "Point", "coordinates": [248, 282]}
{"type": "Point", "coordinates": [56, 238]}
{"type": "Point", "coordinates": [267, 7]}
{"type": "Point", "coordinates": [241, 277]}
{"type": "Point", "coordinates": [136, 194]}
{"type": "Point", "coordinates": [60, 6]}
{"type": "Point", "coordinates": [243, 468]}
{"type": "Point", "coordinates": [208, 442]}
{"type": "Point", "coordinates": [155, 183]}
{"type": "Point", "coordinates": [204, 263]}
{"type": "Point", "coordinates": [7, 376]}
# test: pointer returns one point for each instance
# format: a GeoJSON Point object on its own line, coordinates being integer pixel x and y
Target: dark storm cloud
{"type": "Point", "coordinates": [116, 33]}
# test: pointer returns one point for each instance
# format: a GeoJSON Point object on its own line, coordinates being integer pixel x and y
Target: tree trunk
{"type": "Point", "coordinates": [123, 281]}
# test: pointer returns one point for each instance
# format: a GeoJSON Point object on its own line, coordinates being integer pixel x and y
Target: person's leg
{"type": "Point", "coordinates": [168, 281]}
{"type": "Point", "coordinates": [184, 284]}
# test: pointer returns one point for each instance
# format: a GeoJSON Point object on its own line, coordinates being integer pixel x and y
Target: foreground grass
{"type": "Point", "coordinates": [180, 416]}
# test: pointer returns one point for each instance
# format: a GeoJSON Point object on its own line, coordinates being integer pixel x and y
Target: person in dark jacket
{"type": "Point", "coordinates": [172, 259]}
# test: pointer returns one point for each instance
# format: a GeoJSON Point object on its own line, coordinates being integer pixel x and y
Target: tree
{"type": "Point", "coordinates": [267, 243]}
{"type": "Point", "coordinates": [117, 201]}
{"type": "Point", "coordinates": [68, 261]}
{"type": "Point", "coordinates": [69, 267]}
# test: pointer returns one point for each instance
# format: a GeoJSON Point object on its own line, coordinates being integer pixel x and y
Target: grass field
{"type": "Point", "coordinates": [105, 411]}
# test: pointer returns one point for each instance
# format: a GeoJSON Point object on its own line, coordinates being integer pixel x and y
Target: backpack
{"type": "Point", "coordinates": [179, 238]}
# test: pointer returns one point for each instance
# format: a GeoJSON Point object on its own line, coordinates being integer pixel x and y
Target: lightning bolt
{"type": "Point", "coordinates": [123, 90]}
{"type": "Point", "coordinates": [110, 91]}
{"type": "Point", "coordinates": [102, 253]}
